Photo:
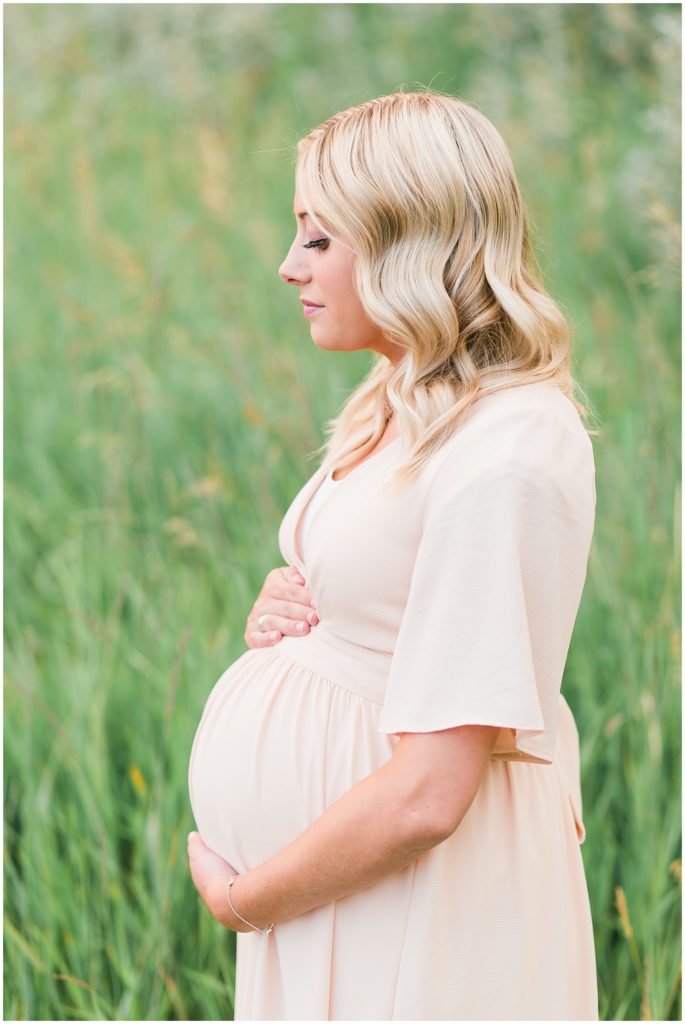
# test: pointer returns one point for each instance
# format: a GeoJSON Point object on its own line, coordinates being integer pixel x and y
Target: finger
{"type": "Point", "coordinates": [287, 611]}
{"type": "Point", "coordinates": [296, 621]}
{"type": "Point", "coordinates": [292, 574]}
{"type": "Point", "coordinates": [297, 594]}
{"type": "Point", "coordinates": [255, 638]}
{"type": "Point", "coordinates": [299, 611]}
{"type": "Point", "coordinates": [291, 598]}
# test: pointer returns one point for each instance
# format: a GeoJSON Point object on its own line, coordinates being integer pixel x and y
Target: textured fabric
{"type": "Point", "coordinates": [449, 603]}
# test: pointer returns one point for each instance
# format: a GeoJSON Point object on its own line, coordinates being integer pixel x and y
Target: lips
{"type": "Point", "coordinates": [311, 310]}
{"type": "Point", "coordinates": [313, 305]}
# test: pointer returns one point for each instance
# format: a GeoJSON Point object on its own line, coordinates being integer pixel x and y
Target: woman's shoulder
{"type": "Point", "coordinates": [527, 422]}
{"type": "Point", "coordinates": [530, 435]}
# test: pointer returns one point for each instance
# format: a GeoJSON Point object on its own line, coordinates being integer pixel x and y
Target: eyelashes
{"type": "Point", "coordinates": [317, 243]}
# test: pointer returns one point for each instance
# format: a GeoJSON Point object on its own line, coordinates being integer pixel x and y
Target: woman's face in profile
{"type": "Point", "coordinates": [322, 273]}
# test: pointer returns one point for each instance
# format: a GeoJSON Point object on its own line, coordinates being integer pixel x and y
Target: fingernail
{"type": "Point", "coordinates": [301, 626]}
{"type": "Point", "coordinates": [298, 579]}
{"type": "Point", "coordinates": [273, 636]}
{"type": "Point", "coordinates": [313, 603]}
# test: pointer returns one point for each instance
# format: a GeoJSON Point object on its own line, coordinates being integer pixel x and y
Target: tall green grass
{"type": "Point", "coordinates": [163, 400]}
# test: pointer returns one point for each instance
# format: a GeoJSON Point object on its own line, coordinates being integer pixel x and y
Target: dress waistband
{"type": "Point", "coordinates": [361, 670]}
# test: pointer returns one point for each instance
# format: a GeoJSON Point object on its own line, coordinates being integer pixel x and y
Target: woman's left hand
{"type": "Point", "coordinates": [211, 874]}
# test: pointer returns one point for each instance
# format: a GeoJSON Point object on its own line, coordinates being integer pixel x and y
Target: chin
{"type": "Point", "coordinates": [327, 344]}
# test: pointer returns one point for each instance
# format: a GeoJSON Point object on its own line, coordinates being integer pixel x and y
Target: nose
{"type": "Point", "coordinates": [294, 268]}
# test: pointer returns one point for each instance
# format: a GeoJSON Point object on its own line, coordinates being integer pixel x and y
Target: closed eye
{"type": "Point", "coordinates": [317, 243]}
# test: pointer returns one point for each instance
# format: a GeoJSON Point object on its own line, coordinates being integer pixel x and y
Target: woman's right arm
{"type": "Point", "coordinates": [287, 607]}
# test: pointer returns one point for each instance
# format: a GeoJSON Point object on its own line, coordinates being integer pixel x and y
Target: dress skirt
{"type": "Point", "coordinates": [494, 923]}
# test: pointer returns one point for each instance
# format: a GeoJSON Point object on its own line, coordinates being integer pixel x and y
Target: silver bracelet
{"type": "Point", "coordinates": [228, 893]}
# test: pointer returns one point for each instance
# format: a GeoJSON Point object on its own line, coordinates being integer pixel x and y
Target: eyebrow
{"type": "Point", "coordinates": [301, 216]}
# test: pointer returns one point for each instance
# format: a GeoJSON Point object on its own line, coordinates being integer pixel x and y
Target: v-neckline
{"type": "Point", "coordinates": [369, 458]}
{"type": "Point", "coordinates": [317, 480]}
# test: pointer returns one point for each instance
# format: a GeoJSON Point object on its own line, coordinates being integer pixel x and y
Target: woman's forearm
{"type": "Point", "coordinates": [367, 834]}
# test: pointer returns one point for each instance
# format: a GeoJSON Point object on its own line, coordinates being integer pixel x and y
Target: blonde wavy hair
{"type": "Point", "coordinates": [421, 187]}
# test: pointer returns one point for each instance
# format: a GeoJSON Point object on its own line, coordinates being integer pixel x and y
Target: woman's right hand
{"type": "Point", "coordinates": [286, 605]}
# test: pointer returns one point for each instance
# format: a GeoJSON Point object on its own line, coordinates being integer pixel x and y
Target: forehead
{"type": "Point", "coordinates": [299, 212]}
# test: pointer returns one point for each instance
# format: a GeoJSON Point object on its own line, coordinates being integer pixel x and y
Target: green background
{"type": "Point", "coordinates": [163, 401]}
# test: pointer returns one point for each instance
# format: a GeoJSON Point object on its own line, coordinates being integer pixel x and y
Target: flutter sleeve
{"type": "Point", "coordinates": [495, 590]}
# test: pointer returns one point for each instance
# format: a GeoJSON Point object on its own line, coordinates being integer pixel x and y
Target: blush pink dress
{"type": "Point", "coordinates": [451, 602]}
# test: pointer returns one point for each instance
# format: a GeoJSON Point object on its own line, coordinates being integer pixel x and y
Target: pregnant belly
{"type": "Point", "coordinates": [257, 766]}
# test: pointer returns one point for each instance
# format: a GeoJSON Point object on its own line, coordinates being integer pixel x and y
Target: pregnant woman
{"type": "Point", "coordinates": [388, 804]}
